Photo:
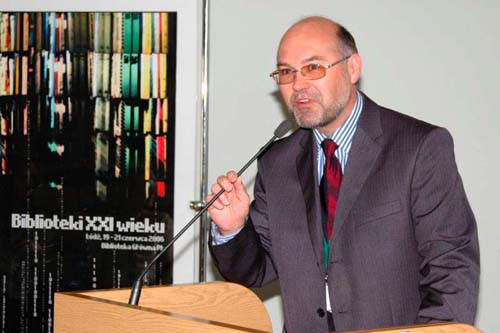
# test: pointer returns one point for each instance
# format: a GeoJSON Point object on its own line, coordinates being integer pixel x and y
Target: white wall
{"type": "Point", "coordinates": [434, 60]}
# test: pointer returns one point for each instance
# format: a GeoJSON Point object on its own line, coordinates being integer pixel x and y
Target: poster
{"type": "Point", "coordinates": [87, 119]}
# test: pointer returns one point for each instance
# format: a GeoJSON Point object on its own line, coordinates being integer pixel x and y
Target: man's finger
{"type": "Point", "coordinates": [225, 183]}
{"type": "Point", "coordinates": [218, 204]}
{"type": "Point", "coordinates": [232, 176]}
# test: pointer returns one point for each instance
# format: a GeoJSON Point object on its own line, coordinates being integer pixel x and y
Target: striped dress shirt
{"type": "Point", "coordinates": [342, 137]}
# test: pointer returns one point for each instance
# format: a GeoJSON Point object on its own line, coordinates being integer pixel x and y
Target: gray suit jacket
{"type": "Point", "coordinates": [404, 248]}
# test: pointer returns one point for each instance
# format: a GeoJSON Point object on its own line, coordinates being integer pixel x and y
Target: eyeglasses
{"type": "Point", "coordinates": [310, 72]}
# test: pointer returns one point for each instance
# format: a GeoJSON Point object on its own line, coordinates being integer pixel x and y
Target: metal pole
{"type": "Point", "coordinates": [204, 222]}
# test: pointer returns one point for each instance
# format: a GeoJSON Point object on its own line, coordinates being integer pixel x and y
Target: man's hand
{"type": "Point", "coordinates": [230, 210]}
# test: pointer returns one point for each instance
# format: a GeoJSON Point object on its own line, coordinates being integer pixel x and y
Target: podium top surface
{"type": "Point", "coordinates": [223, 307]}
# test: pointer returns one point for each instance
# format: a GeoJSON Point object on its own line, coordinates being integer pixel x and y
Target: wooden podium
{"type": "Point", "coordinates": [429, 328]}
{"type": "Point", "coordinates": [205, 307]}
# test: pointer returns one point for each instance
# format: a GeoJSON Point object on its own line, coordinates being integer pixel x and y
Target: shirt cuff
{"type": "Point", "coordinates": [218, 239]}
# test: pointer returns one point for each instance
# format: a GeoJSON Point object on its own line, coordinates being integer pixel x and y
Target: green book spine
{"type": "Point", "coordinates": [127, 33]}
{"type": "Point", "coordinates": [134, 76]}
{"type": "Point", "coordinates": [136, 33]}
{"type": "Point", "coordinates": [126, 76]}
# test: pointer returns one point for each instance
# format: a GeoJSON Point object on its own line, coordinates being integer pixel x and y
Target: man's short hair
{"type": "Point", "coordinates": [347, 44]}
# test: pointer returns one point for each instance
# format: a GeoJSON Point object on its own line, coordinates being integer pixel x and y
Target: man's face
{"type": "Point", "coordinates": [315, 103]}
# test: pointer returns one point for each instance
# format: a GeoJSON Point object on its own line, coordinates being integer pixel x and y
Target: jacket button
{"type": "Point", "coordinates": [320, 312]}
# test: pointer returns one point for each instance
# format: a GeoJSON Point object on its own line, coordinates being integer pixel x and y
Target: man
{"type": "Point", "coordinates": [370, 230]}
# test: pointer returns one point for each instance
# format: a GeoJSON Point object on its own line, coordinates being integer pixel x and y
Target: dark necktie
{"type": "Point", "coordinates": [330, 184]}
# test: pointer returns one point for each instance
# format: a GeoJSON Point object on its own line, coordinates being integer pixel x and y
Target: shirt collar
{"type": "Point", "coordinates": [344, 134]}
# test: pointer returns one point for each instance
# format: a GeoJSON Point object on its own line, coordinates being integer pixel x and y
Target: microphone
{"type": "Point", "coordinates": [135, 293]}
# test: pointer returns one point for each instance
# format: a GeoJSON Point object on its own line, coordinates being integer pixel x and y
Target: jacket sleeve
{"type": "Point", "coordinates": [446, 234]}
{"type": "Point", "coordinates": [245, 259]}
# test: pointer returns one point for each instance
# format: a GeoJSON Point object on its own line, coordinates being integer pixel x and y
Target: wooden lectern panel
{"type": "Point", "coordinates": [210, 307]}
{"type": "Point", "coordinates": [428, 328]}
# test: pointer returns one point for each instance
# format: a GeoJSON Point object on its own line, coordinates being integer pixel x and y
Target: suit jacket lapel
{"type": "Point", "coordinates": [306, 173]}
{"type": "Point", "coordinates": [364, 151]}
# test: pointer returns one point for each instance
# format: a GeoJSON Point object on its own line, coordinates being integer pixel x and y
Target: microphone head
{"type": "Point", "coordinates": [283, 128]}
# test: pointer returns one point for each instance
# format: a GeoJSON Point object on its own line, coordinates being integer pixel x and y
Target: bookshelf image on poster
{"type": "Point", "coordinates": [87, 121]}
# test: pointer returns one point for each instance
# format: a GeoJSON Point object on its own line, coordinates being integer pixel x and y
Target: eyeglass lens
{"type": "Point", "coordinates": [311, 72]}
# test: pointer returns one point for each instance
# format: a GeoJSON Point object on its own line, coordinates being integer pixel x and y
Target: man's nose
{"type": "Point", "coordinates": [300, 82]}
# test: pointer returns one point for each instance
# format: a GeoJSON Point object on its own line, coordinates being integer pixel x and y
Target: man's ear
{"type": "Point", "coordinates": [354, 66]}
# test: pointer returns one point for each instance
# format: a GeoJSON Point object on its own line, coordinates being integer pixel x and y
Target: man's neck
{"type": "Point", "coordinates": [329, 129]}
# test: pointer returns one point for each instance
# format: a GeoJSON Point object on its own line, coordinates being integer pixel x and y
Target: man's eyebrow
{"type": "Point", "coordinates": [313, 58]}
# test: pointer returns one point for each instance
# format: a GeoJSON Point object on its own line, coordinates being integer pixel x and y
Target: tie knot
{"type": "Point", "coordinates": [329, 147]}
